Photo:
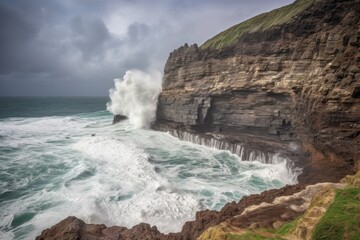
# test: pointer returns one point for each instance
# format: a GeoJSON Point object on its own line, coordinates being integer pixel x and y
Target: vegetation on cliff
{"type": "Point", "coordinates": [333, 213]}
{"type": "Point", "coordinates": [342, 220]}
{"type": "Point", "coordinates": [259, 23]}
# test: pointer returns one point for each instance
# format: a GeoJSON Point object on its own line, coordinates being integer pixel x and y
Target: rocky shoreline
{"type": "Point", "coordinates": [264, 215]}
{"type": "Point", "coordinates": [73, 228]}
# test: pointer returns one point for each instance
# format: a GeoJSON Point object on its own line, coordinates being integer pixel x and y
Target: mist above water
{"type": "Point", "coordinates": [135, 96]}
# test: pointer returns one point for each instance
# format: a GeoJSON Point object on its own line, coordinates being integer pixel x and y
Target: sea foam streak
{"type": "Point", "coordinates": [128, 175]}
{"type": "Point", "coordinates": [52, 167]}
{"type": "Point", "coordinates": [135, 96]}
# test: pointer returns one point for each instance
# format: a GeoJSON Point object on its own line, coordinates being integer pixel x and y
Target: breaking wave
{"type": "Point", "coordinates": [135, 96]}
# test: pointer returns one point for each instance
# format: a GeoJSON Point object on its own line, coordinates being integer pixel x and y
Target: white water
{"type": "Point", "coordinates": [239, 150]}
{"type": "Point", "coordinates": [120, 176]}
{"type": "Point", "coordinates": [135, 96]}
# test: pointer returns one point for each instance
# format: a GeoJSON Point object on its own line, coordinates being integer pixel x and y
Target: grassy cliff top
{"type": "Point", "coordinates": [259, 23]}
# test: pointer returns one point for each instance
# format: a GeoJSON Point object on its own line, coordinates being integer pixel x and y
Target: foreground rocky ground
{"type": "Point", "coordinates": [319, 211]}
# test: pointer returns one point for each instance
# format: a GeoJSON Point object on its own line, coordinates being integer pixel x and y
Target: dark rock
{"type": "Point", "coordinates": [118, 118]}
{"type": "Point", "coordinates": [356, 92]}
{"type": "Point", "coordinates": [73, 228]}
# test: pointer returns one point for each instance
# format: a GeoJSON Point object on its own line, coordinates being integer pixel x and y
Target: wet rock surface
{"type": "Point", "coordinates": [118, 118]}
{"type": "Point", "coordinates": [73, 228]}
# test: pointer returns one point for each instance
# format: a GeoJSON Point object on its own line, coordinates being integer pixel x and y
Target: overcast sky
{"type": "Point", "coordinates": [77, 47]}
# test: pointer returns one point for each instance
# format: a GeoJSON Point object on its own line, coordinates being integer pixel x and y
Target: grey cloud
{"type": "Point", "coordinates": [75, 47]}
{"type": "Point", "coordinates": [138, 32]}
{"type": "Point", "coordinates": [16, 36]}
{"type": "Point", "coordinates": [89, 36]}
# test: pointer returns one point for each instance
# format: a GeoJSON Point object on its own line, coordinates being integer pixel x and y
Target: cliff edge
{"type": "Point", "coordinates": [285, 82]}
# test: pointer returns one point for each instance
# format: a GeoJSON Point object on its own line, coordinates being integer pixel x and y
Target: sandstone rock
{"type": "Point", "coordinates": [278, 224]}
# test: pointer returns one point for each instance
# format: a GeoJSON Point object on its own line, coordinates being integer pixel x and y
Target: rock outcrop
{"type": "Point", "coordinates": [292, 88]}
{"type": "Point", "coordinates": [72, 228]}
{"type": "Point", "coordinates": [118, 118]}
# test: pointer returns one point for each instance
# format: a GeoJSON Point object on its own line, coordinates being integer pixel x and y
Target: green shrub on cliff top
{"type": "Point", "coordinates": [342, 219]}
{"type": "Point", "coordinates": [259, 23]}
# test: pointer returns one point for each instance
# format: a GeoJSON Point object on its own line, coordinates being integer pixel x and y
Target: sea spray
{"type": "Point", "coordinates": [135, 96]}
{"type": "Point", "coordinates": [51, 168]}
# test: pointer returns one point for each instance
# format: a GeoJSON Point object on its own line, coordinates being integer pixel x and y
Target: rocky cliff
{"type": "Point", "coordinates": [267, 86]}
{"type": "Point", "coordinates": [285, 82]}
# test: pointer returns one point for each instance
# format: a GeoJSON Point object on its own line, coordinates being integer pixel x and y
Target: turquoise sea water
{"type": "Point", "coordinates": [52, 167]}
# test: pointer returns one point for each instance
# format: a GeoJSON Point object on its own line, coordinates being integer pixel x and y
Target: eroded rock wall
{"type": "Point", "coordinates": [297, 84]}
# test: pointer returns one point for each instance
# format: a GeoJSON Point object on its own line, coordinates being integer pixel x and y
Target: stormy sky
{"type": "Point", "coordinates": [77, 47]}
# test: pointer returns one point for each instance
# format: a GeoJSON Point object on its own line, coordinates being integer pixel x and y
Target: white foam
{"type": "Point", "coordinates": [122, 186]}
{"type": "Point", "coordinates": [35, 131]}
{"type": "Point", "coordinates": [135, 96]}
{"type": "Point", "coordinates": [6, 235]}
{"type": "Point", "coordinates": [124, 170]}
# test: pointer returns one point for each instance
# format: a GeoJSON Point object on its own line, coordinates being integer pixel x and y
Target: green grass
{"type": "Point", "coordinates": [286, 228]}
{"type": "Point", "coordinates": [248, 236]}
{"type": "Point", "coordinates": [342, 219]}
{"type": "Point", "coordinates": [259, 23]}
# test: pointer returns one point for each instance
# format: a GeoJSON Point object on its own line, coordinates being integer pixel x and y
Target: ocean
{"type": "Point", "coordinates": [61, 156]}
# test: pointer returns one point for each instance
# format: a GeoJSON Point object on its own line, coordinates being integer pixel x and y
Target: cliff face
{"type": "Point", "coordinates": [293, 88]}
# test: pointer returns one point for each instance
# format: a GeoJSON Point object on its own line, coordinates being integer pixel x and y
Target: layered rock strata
{"type": "Point", "coordinates": [293, 88]}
